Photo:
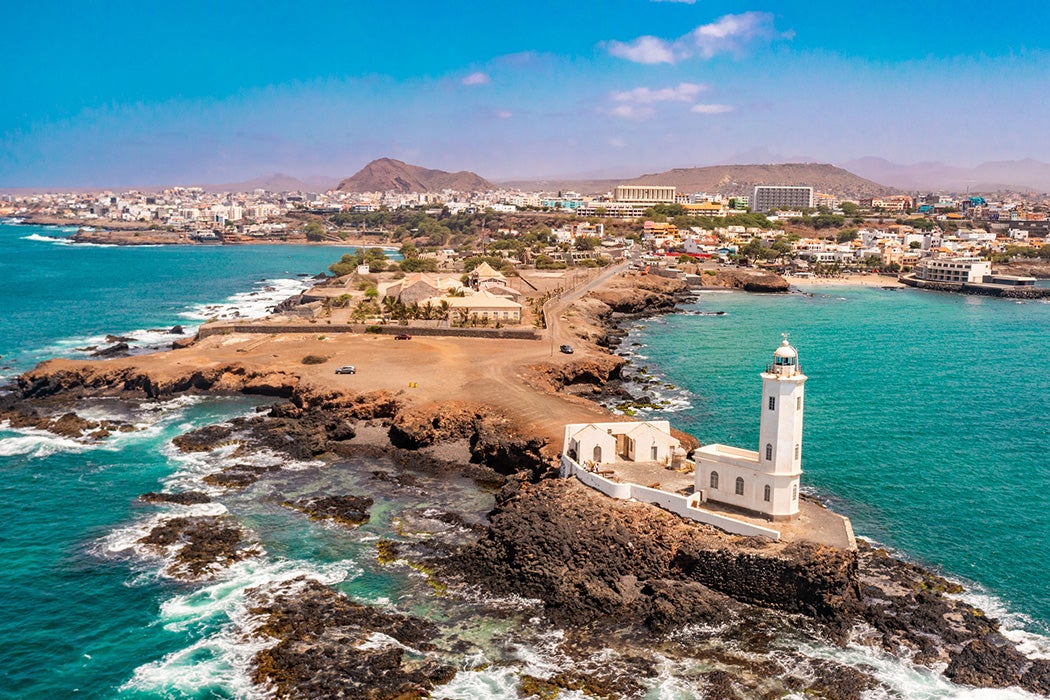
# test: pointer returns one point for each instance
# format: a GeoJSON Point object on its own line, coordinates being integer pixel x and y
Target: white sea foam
{"type": "Point", "coordinates": [221, 659]}
{"type": "Point", "coordinates": [907, 680]}
{"type": "Point", "coordinates": [35, 443]}
{"type": "Point", "coordinates": [254, 304]}
{"type": "Point", "coordinates": [500, 682]}
{"type": "Point", "coordinates": [57, 240]}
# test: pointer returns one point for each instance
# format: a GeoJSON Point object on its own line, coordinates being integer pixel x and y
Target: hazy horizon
{"type": "Point", "coordinates": [141, 97]}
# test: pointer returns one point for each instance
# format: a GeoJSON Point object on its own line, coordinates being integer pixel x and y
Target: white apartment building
{"type": "Point", "coordinates": [768, 197]}
{"type": "Point", "coordinates": [645, 194]}
{"type": "Point", "coordinates": [956, 270]}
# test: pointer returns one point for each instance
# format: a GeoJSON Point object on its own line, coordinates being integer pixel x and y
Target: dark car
{"type": "Point", "coordinates": [402, 336]}
{"type": "Point", "coordinates": [567, 349]}
{"type": "Point", "coordinates": [346, 369]}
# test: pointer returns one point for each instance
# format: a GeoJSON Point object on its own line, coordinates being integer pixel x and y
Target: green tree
{"type": "Point", "coordinates": [314, 231]}
{"type": "Point", "coordinates": [847, 235]}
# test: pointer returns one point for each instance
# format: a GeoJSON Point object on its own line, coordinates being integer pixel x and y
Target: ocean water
{"type": "Point", "coordinates": [89, 613]}
{"type": "Point", "coordinates": [927, 418]}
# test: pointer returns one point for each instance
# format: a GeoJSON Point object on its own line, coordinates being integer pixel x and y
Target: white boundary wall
{"type": "Point", "coordinates": [679, 505]}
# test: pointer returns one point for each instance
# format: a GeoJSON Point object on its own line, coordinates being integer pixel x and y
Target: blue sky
{"type": "Point", "coordinates": [126, 93]}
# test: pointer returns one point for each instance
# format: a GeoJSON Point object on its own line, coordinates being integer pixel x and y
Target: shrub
{"type": "Point", "coordinates": [373, 329]}
{"type": "Point", "coordinates": [314, 360]}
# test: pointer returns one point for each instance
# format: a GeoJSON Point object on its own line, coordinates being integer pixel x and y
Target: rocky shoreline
{"type": "Point", "coordinates": [613, 575]}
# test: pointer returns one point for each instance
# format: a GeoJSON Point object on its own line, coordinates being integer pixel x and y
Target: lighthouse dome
{"type": "Point", "coordinates": [785, 350]}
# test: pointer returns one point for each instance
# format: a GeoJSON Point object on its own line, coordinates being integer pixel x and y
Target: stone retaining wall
{"type": "Point", "coordinates": [323, 329]}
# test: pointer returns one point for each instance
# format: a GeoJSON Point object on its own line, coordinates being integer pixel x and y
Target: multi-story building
{"type": "Point", "coordinates": [781, 197]}
{"type": "Point", "coordinates": [956, 270]}
{"type": "Point", "coordinates": [645, 194]}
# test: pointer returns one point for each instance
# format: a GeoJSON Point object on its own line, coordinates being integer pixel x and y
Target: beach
{"type": "Point", "coordinates": [845, 280]}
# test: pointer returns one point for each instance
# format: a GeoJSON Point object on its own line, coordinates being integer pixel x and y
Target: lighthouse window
{"type": "Point", "coordinates": [772, 402]}
{"type": "Point", "coordinates": [740, 486]}
{"type": "Point", "coordinates": [714, 480]}
{"type": "Point", "coordinates": [766, 493]}
{"type": "Point", "coordinates": [797, 450]}
{"type": "Point", "coordinates": [798, 404]}
{"type": "Point", "coordinates": [769, 452]}
{"type": "Point", "coordinates": [794, 492]}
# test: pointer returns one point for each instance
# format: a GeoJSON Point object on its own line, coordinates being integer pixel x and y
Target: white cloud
{"type": "Point", "coordinates": [640, 102]}
{"type": "Point", "coordinates": [478, 78]}
{"type": "Point", "coordinates": [644, 49]}
{"type": "Point", "coordinates": [504, 114]}
{"type": "Point", "coordinates": [683, 92]}
{"type": "Point", "coordinates": [727, 34]}
{"type": "Point", "coordinates": [629, 111]}
{"type": "Point", "coordinates": [711, 109]}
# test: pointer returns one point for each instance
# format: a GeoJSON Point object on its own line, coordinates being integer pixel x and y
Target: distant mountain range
{"type": "Point", "coordinates": [387, 174]}
{"type": "Point", "coordinates": [1009, 175]}
{"type": "Point", "coordinates": [869, 176]}
{"type": "Point", "coordinates": [277, 182]}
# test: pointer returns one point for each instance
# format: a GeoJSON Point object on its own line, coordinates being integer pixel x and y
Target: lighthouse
{"type": "Point", "coordinates": [780, 427]}
{"type": "Point", "coordinates": [765, 481]}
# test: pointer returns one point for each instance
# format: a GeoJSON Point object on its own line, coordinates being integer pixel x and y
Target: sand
{"type": "Point", "coordinates": [845, 281]}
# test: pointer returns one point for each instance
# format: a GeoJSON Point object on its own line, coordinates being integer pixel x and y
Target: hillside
{"type": "Point", "coordinates": [387, 174]}
{"type": "Point", "coordinates": [995, 176]}
{"type": "Point", "coordinates": [742, 179]}
{"type": "Point", "coordinates": [729, 179]}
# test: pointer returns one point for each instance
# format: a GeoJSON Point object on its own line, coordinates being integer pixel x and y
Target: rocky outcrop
{"type": "Point", "coordinates": [345, 510]}
{"type": "Point", "coordinates": [63, 422]}
{"type": "Point", "coordinates": [183, 498]}
{"type": "Point", "coordinates": [745, 279]}
{"type": "Point", "coordinates": [56, 377]}
{"type": "Point", "coordinates": [493, 440]}
{"type": "Point", "coordinates": [328, 646]}
{"type": "Point", "coordinates": [199, 546]}
{"type": "Point", "coordinates": [587, 557]}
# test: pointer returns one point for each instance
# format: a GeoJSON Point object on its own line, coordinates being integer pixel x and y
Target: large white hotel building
{"type": "Point", "coordinates": [781, 197]}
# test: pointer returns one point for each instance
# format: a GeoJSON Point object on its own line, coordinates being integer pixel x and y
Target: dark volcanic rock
{"type": "Point", "coordinates": [589, 557]}
{"type": "Point", "coordinates": [203, 439]}
{"type": "Point", "coordinates": [200, 545]}
{"type": "Point", "coordinates": [320, 653]}
{"type": "Point", "coordinates": [347, 510]}
{"type": "Point", "coordinates": [117, 350]}
{"type": "Point", "coordinates": [185, 498]}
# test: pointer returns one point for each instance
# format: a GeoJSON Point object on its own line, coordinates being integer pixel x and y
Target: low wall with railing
{"type": "Point", "coordinates": [681, 506]}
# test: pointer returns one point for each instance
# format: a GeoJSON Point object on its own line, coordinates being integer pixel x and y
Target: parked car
{"type": "Point", "coordinates": [567, 349]}
{"type": "Point", "coordinates": [402, 336]}
{"type": "Point", "coordinates": [346, 369]}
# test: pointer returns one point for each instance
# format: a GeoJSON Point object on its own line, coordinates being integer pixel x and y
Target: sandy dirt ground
{"type": "Point", "coordinates": [424, 370]}
{"type": "Point", "coordinates": [844, 281]}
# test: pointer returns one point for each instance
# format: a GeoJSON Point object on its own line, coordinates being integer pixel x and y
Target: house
{"type": "Point", "coordinates": [607, 443]}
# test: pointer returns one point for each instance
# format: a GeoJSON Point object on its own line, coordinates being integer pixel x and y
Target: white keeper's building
{"type": "Point", "coordinates": [765, 481]}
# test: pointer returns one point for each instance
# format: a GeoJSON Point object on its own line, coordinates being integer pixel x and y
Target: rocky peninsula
{"type": "Point", "coordinates": [625, 580]}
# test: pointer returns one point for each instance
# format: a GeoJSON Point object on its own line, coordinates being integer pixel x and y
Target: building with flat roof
{"type": "Point", "coordinates": [646, 194]}
{"type": "Point", "coordinates": [769, 197]}
{"type": "Point", "coordinates": [957, 270]}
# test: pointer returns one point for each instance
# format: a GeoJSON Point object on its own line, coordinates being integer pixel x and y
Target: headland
{"type": "Point", "coordinates": [611, 573]}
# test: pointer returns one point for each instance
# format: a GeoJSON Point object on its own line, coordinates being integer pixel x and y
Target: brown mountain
{"type": "Point", "coordinates": [742, 179]}
{"type": "Point", "coordinates": [387, 174]}
{"type": "Point", "coordinates": [728, 180]}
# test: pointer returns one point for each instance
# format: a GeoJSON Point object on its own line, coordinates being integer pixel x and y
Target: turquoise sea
{"type": "Point", "coordinates": [926, 423]}
{"type": "Point", "coordinates": [927, 418]}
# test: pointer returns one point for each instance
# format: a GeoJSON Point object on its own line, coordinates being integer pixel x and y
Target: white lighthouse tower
{"type": "Point", "coordinates": [780, 429]}
{"type": "Point", "coordinates": [765, 481]}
